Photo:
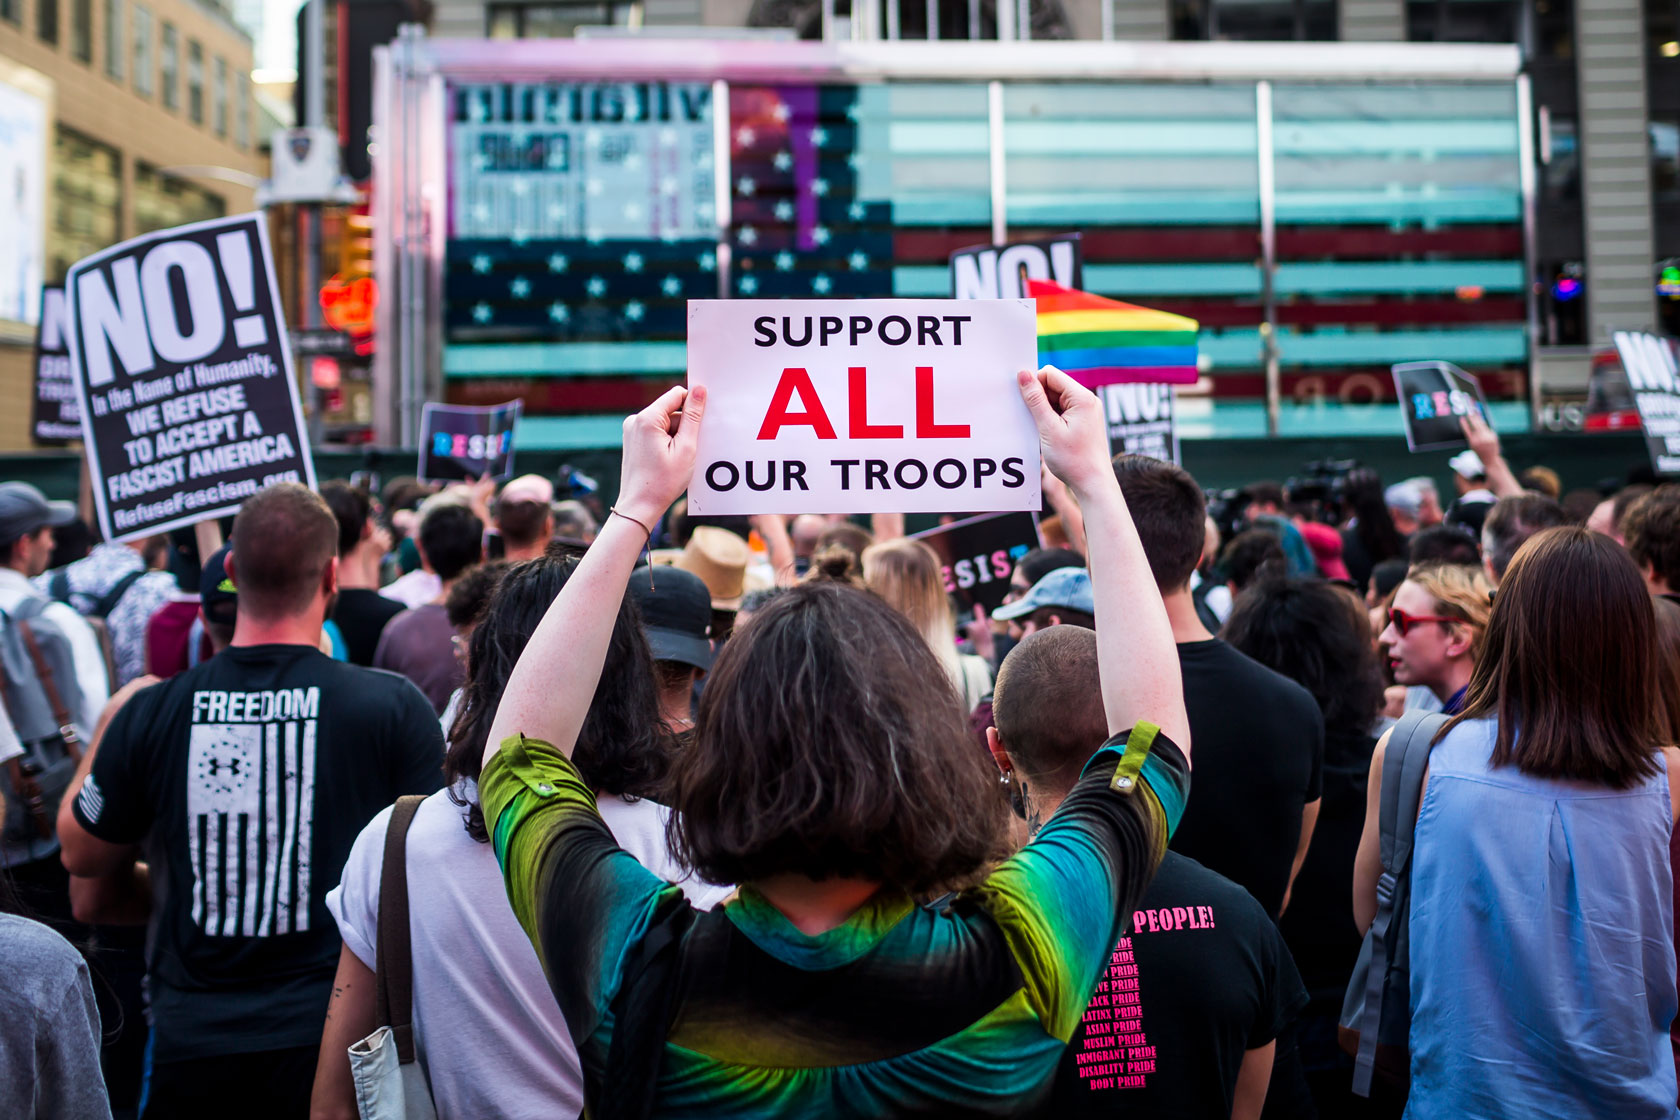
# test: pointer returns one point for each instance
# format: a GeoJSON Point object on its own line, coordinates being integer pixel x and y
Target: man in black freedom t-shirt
{"type": "Point", "coordinates": [243, 784]}
{"type": "Point", "coordinates": [1259, 736]}
{"type": "Point", "coordinates": [1187, 1017]}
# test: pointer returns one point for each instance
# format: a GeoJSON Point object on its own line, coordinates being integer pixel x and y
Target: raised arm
{"type": "Point", "coordinates": [1136, 655]}
{"type": "Point", "coordinates": [550, 689]}
{"type": "Point", "coordinates": [1484, 441]}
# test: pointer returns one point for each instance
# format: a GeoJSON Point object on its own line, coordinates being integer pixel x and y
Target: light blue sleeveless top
{"type": "Point", "coordinates": [1542, 943]}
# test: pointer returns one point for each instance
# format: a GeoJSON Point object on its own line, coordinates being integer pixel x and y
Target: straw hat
{"type": "Point", "coordinates": [720, 559]}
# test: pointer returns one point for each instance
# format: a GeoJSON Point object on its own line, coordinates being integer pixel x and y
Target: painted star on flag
{"type": "Point", "coordinates": [708, 262]}
{"type": "Point", "coordinates": [632, 210]}
{"type": "Point", "coordinates": [784, 211]}
{"type": "Point", "coordinates": [481, 263]}
{"type": "Point", "coordinates": [747, 236]}
{"type": "Point", "coordinates": [481, 313]}
{"type": "Point", "coordinates": [671, 286]}
{"type": "Point", "coordinates": [821, 284]}
{"type": "Point", "coordinates": [481, 212]}
{"type": "Point", "coordinates": [746, 186]}
{"type": "Point", "coordinates": [593, 186]}
{"type": "Point", "coordinates": [819, 136]}
{"type": "Point", "coordinates": [749, 285]}
{"type": "Point", "coordinates": [859, 261]}
{"type": "Point", "coordinates": [559, 312]}
{"type": "Point", "coordinates": [819, 187]}
{"type": "Point", "coordinates": [856, 211]}
{"type": "Point", "coordinates": [780, 112]}
{"type": "Point", "coordinates": [820, 235]}
{"type": "Point", "coordinates": [784, 261]}
{"type": "Point", "coordinates": [557, 262]}
{"type": "Point", "coordinates": [596, 287]}
{"type": "Point", "coordinates": [634, 311]}
{"type": "Point", "coordinates": [783, 160]}
{"type": "Point", "coordinates": [520, 287]}
{"type": "Point", "coordinates": [632, 262]}
{"type": "Point", "coordinates": [521, 188]}
{"type": "Point", "coordinates": [746, 137]}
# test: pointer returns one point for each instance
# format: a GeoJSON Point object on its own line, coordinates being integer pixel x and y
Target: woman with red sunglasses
{"type": "Point", "coordinates": [1434, 631]}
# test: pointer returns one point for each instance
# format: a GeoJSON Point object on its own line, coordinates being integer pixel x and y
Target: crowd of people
{"type": "Point", "coordinates": [620, 811]}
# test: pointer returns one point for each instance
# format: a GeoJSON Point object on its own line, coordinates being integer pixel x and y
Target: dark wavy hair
{"type": "Point", "coordinates": [623, 747]}
{"type": "Point", "coordinates": [1319, 637]}
{"type": "Point", "coordinates": [830, 743]}
{"type": "Point", "coordinates": [1373, 525]}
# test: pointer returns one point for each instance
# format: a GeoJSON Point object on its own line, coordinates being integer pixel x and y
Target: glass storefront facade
{"type": "Point", "coordinates": [582, 216]}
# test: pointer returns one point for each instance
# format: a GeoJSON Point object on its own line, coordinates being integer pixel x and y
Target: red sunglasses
{"type": "Point", "coordinates": [1404, 622]}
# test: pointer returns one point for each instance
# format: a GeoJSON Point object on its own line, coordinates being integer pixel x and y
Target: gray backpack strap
{"type": "Point", "coordinates": [1404, 763]}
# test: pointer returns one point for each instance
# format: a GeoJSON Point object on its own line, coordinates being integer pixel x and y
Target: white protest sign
{"type": "Point", "coordinates": [178, 352]}
{"type": "Point", "coordinates": [863, 406]}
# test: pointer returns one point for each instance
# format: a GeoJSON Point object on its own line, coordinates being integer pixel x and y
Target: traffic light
{"type": "Point", "coordinates": [355, 247]}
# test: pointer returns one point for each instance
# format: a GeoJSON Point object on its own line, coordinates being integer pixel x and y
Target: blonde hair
{"type": "Point", "coordinates": [1460, 592]}
{"type": "Point", "coordinates": [908, 575]}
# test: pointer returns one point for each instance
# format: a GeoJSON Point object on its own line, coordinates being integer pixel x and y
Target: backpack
{"type": "Point", "coordinates": [41, 696]}
{"type": "Point", "coordinates": [58, 587]}
{"type": "Point", "coordinates": [1376, 1016]}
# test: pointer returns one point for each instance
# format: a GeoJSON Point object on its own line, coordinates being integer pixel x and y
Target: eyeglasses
{"type": "Point", "coordinates": [1403, 622]}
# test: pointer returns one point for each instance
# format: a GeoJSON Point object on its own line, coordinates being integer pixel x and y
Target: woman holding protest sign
{"type": "Point", "coordinates": [830, 775]}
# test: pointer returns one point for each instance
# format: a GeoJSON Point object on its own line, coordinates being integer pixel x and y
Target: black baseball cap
{"type": "Point", "coordinates": [217, 597]}
{"type": "Point", "coordinates": [676, 611]}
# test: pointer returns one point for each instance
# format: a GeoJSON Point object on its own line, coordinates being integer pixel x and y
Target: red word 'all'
{"type": "Point", "coordinates": [796, 381]}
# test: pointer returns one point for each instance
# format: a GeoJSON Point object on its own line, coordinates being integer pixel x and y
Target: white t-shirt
{"type": "Point", "coordinates": [415, 589]}
{"type": "Point", "coordinates": [503, 1047]}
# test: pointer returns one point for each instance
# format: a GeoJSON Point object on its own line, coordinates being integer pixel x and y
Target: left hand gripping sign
{"type": "Point", "coordinates": [863, 406]}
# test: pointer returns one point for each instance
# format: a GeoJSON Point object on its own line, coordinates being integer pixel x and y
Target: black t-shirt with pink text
{"type": "Point", "coordinates": [1201, 978]}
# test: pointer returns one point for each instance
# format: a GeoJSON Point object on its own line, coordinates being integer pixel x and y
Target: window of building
{"type": "Point", "coordinates": [556, 21]}
{"type": "Point", "coordinates": [46, 21]}
{"type": "Point", "coordinates": [1463, 21]}
{"type": "Point", "coordinates": [1662, 28]}
{"type": "Point", "coordinates": [169, 67]}
{"type": "Point", "coordinates": [1554, 29]}
{"type": "Point", "coordinates": [116, 46]}
{"type": "Point", "coordinates": [162, 200]}
{"type": "Point", "coordinates": [242, 112]}
{"type": "Point", "coordinates": [1560, 159]}
{"type": "Point", "coordinates": [144, 73]}
{"type": "Point", "coordinates": [11, 11]}
{"type": "Point", "coordinates": [81, 30]}
{"type": "Point", "coordinates": [219, 107]}
{"type": "Point", "coordinates": [87, 199]}
{"type": "Point", "coordinates": [1265, 20]}
{"type": "Point", "coordinates": [195, 81]}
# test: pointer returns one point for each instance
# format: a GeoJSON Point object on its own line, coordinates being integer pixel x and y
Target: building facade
{"type": "Point", "coordinates": [1318, 237]}
{"type": "Point", "coordinates": [149, 125]}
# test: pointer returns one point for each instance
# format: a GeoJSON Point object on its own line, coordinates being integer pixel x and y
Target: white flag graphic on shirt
{"type": "Point", "coordinates": [250, 810]}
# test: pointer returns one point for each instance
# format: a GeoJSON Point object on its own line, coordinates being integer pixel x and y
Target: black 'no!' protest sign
{"type": "Point", "coordinates": [178, 352]}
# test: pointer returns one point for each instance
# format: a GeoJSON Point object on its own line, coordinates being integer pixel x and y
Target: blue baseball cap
{"type": "Point", "coordinates": [1068, 588]}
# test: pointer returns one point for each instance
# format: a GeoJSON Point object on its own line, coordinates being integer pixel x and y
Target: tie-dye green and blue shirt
{"type": "Point", "coordinates": [902, 1010]}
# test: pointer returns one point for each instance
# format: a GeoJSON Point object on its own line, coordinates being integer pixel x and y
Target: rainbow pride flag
{"type": "Point", "coordinates": [1105, 342]}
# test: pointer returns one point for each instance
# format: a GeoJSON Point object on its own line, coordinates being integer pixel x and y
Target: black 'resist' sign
{"type": "Point", "coordinates": [178, 352]}
{"type": "Point", "coordinates": [978, 555]}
